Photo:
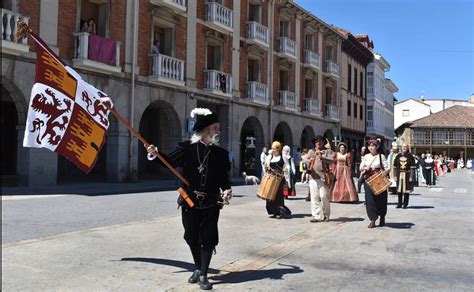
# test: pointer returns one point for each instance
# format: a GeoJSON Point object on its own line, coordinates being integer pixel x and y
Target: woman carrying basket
{"type": "Point", "coordinates": [275, 165]}
{"type": "Point", "coordinates": [371, 164]}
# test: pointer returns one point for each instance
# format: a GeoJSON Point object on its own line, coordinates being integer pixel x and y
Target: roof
{"type": "Point", "coordinates": [453, 117]}
{"type": "Point", "coordinates": [413, 100]}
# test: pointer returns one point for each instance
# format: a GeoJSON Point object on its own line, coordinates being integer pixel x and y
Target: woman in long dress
{"type": "Point", "coordinates": [344, 189]}
{"type": "Point", "coordinates": [289, 173]}
{"type": "Point", "coordinates": [429, 170]}
{"type": "Point", "coordinates": [275, 165]}
{"type": "Point", "coordinates": [376, 205]}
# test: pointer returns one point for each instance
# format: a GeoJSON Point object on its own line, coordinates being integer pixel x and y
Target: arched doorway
{"type": "Point", "coordinates": [306, 136]}
{"type": "Point", "coordinates": [160, 126]}
{"type": "Point", "coordinates": [283, 134]}
{"type": "Point", "coordinates": [9, 138]}
{"type": "Point", "coordinates": [251, 143]}
{"type": "Point", "coordinates": [330, 137]}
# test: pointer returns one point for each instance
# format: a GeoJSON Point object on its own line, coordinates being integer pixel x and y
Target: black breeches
{"type": "Point", "coordinates": [200, 227]}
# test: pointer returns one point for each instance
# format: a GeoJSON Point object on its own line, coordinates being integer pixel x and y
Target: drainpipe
{"type": "Point", "coordinates": [270, 69]}
{"type": "Point", "coordinates": [131, 173]}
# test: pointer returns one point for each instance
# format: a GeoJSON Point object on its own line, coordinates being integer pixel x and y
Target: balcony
{"type": "Point", "coordinates": [165, 69]}
{"type": "Point", "coordinates": [219, 17]}
{"type": "Point", "coordinates": [9, 30]}
{"type": "Point", "coordinates": [257, 34]}
{"type": "Point", "coordinates": [312, 60]}
{"type": "Point", "coordinates": [332, 68]}
{"type": "Point", "coordinates": [178, 6]}
{"type": "Point", "coordinates": [311, 106]}
{"type": "Point", "coordinates": [96, 53]}
{"type": "Point", "coordinates": [332, 112]}
{"type": "Point", "coordinates": [218, 82]}
{"type": "Point", "coordinates": [287, 48]}
{"type": "Point", "coordinates": [288, 100]}
{"type": "Point", "coordinates": [257, 92]}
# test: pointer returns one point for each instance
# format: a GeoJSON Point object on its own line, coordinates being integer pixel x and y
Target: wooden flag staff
{"type": "Point", "coordinates": [23, 31]}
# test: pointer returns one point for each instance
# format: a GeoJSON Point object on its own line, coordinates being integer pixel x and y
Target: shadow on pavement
{"type": "Point", "coordinates": [347, 219]}
{"type": "Point", "coordinates": [399, 225]}
{"type": "Point", "coordinates": [188, 267]}
{"type": "Point", "coordinates": [255, 275]}
{"type": "Point", "coordinates": [420, 207]}
{"type": "Point", "coordinates": [300, 215]}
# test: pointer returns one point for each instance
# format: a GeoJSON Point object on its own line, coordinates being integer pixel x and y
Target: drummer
{"type": "Point", "coordinates": [275, 165]}
{"type": "Point", "coordinates": [376, 205]}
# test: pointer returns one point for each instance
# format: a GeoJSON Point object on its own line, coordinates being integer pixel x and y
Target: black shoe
{"type": "Point", "coordinates": [382, 221]}
{"type": "Point", "coordinates": [405, 206]}
{"type": "Point", "coordinates": [194, 277]}
{"type": "Point", "coordinates": [204, 283]}
{"type": "Point", "coordinates": [399, 206]}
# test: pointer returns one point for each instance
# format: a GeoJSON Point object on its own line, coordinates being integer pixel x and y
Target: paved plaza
{"type": "Point", "coordinates": [427, 247]}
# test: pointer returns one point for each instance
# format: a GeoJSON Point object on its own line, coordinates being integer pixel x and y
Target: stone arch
{"type": "Point", "coordinates": [252, 141]}
{"type": "Point", "coordinates": [306, 135]}
{"type": "Point", "coordinates": [15, 96]}
{"type": "Point", "coordinates": [283, 134]}
{"type": "Point", "coordinates": [161, 126]}
{"type": "Point", "coordinates": [9, 135]}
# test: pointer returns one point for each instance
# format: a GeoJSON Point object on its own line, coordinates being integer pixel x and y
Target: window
{"type": "Point", "coordinates": [214, 58]}
{"type": "Point", "coordinates": [254, 70]}
{"type": "Point", "coordinates": [99, 13]}
{"type": "Point", "coordinates": [349, 108]}
{"type": "Point", "coordinates": [254, 12]}
{"type": "Point", "coordinates": [284, 29]}
{"type": "Point", "coordinates": [308, 42]}
{"type": "Point", "coordinates": [370, 80]}
{"type": "Point", "coordinates": [355, 81]}
{"type": "Point", "coordinates": [361, 89]}
{"type": "Point", "coordinates": [284, 80]}
{"type": "Point", "coordinates": [329, 53]}
{"type": "Point", "coordinates": [349, 77]}
{"type": "Point", "coordinates": [308, 87]}
{"type": "Point", "coordinates": [370, 116]}
{"type": "Point", "coordinates": [355, 110]}
{"type": "Point", "coordinates": [328, 95]}
{"type": "Point", "coordinates": [165, 38]}
{"type": "Point", "coordinates": [361, 112]}
{"type": "Point", "coordinates": [406, 113]}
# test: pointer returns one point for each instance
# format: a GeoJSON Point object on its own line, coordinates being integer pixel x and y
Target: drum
{"type": "Point", "coordinates": [378, 182]}
{"type": "Point", "coordinates": [269, 186]}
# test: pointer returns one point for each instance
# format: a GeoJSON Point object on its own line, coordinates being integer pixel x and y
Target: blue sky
{"type": "Point", "coordinates": [428, 43]}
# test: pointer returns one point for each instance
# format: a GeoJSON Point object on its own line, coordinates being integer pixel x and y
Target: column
{"type": "Point", "coordinates": [191, 45]}
{"type": "Point", "coordinates": [48, 26]}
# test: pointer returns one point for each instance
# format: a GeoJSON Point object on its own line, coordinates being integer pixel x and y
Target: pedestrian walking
{"type": "Point", "coordinates": [206, 166]}
{"type": "Point", "coordinates": [405, 171]}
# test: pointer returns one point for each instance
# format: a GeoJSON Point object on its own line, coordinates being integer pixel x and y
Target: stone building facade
{"type": "Point", "coordinates": [270, 69]}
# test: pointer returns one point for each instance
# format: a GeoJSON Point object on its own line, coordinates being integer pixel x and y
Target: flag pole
{"type": "Point", "coordinates": [146, 144]}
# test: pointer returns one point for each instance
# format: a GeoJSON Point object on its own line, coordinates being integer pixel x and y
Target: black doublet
{"type": "Point", "coordinates": [215, 170]}
{"type": "Point", "coordinates": [206, 167]}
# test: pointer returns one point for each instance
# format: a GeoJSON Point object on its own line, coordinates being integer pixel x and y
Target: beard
{"type": "Point", "coordinates": [215, 139]}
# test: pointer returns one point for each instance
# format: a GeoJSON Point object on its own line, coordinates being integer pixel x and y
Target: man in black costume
{"type": "Point", "coordinates": [405, 171]}
{"type": "Point", "coordinates": [206, 166]}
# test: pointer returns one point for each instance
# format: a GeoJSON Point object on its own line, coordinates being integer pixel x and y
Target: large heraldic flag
{"type": "Point", "coordinates": [66, 114]}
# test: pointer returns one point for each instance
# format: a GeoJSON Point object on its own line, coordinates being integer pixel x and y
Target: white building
{"type": "Point", "coordinates": [410, 110]}
{"type": "Point", "coordinates": [413, 109]}
{"type": "Point", "coordinates": [380, 101]}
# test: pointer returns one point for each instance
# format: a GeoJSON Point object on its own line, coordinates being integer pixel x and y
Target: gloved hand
{"type": "Point", "coordinates": [151, 149]}
{"type": "Point", "coordinates": [227, 196]}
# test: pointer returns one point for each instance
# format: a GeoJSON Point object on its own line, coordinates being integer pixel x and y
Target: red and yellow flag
{"type": "Point", "coordinates": [66, 114]}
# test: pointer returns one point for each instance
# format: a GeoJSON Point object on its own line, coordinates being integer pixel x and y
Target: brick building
{"type": "Point", "coordinates": [355, 58]}
{"type": "Point", "coordinates": [270, 69]}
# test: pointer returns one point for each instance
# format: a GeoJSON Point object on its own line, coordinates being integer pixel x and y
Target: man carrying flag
{"type": "Point", "coordinates": [66, 114]}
